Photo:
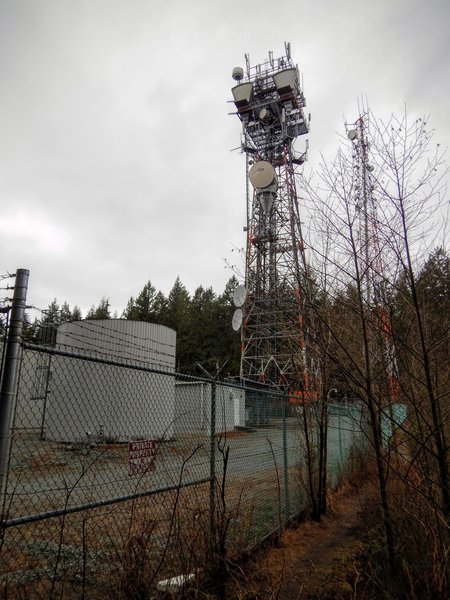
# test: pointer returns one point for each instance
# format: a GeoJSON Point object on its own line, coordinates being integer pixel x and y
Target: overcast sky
{"type": "Point", "coordinates": [115, 139]}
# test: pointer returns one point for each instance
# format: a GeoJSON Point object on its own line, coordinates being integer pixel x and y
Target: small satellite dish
{"type": "Point", "coordinates": [262, 174]}
{"type": "Point", "coordinates": [238, 73]}
{"type": "Point", "coordinates": [352, 134]}
{"type": "Point", "coordinates": [239, 295]}
{"type": "Point", "coordinates": [370, 168]}
{"type": "Point", "coordinates": [236, 321]}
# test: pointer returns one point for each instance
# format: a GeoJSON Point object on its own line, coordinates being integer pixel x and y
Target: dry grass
{"type": "Point", "coordinates": [344, 557]}
{"type": "Point", "coordinates": [122, 551]}
{"type": "Point", "coordinates": [421, 544]}
{"type": "Point", "coordinates": [110, 553]}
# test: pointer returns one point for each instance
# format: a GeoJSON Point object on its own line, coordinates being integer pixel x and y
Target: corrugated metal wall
{"type": "Point", "coordinates": [193, 408]}
{"type": "Point", "coordinates": [149, 343]}
{"type": "Point", "coordinates": [94, 399]}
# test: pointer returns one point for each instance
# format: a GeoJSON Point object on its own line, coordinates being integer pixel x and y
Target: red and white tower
{"type": "Point", "coordinates": [272, 306]}
{"type": "Point", "coordinates": [371, 267]}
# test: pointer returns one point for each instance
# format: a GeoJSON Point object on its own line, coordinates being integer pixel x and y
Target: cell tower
{"type": "Point", "coordinates": [271, 313]}
{"type": "Point", "coordinates": [371, 265]}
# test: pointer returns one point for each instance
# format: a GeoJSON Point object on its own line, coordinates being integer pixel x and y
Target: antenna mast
{"type": "Point", "coordinates": [371, 265]}
{"type": "Point", "coordinates": [275, 330]}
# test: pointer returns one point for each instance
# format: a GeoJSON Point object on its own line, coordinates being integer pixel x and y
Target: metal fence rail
{"type": "Point", "coordinates": [115, 465]}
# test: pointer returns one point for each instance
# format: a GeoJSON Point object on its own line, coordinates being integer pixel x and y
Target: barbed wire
{"type": "Point", "coordinates": [123, 335]}
{"type": "Point", "coordinates": [32, 307]}
{"type": "Point", "coordinates": [7, 276]}
{"type": "Point", "coordinates": [122, 345]}
{"type": "Point", "coordinates": [125, 339]}
{"type": "Point", "coordinates": [92, 343]}
{"type": "Point", "coordinates": [159, 358]}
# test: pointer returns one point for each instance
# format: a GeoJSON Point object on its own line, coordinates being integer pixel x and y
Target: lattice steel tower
{"type": "Point", "coordinates": [272, 307]}
{"type": "Point", "coordinates": [370, 263]}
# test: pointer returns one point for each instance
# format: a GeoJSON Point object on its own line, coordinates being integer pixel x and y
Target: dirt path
{"type": "Point", "coordinates": [315, 560]}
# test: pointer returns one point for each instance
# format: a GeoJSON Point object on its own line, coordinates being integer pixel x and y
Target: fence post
{"type": "Point", "coordinates": [212, 474]}
{"type": "Point", "coordinates": [46, 392]}
{"type": "Point", "coordinates": [13, 354]}
{"type": "Point", "coordinates": [285, 462]}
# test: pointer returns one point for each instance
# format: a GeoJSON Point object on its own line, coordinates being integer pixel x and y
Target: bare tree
{"type": "Point", "coordinates": [371, 233]}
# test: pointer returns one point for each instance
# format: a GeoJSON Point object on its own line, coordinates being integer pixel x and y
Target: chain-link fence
{"type": "Point", "coordinates": [120, 475]}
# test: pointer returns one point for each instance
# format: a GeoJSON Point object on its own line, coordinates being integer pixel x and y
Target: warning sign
{"type": "Point", "coordinates": [141, 456]}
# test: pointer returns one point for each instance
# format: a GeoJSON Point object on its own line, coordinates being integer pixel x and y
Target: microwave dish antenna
{"type": "Point", "coordinates": [262, 175]}
{"type": "Point", "coordinates": [236, 321]}
{"type": "Point", "coordinates": [239, 296]}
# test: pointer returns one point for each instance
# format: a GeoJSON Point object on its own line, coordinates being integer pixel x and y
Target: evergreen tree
{"type": "Point", "coordinates": [102, 311]}
{"type": "Point", "coordinates": [433, 296]}
{"type": "Point", "coordinates": [53, 312]}
{"type": "Point", "coordinates": [226, 343]}
{"type": "Point", "coordinates": [49, 324]}
{"type": "Point", "coordinates": [31, 330]}
{"type": "Point", "coordinates": [142, 309]}
{"type": "Point", "coordinates": [65, 313]}
{"type": "Point", "coordinates": [160, 308]}
{"type": "Point", "coordinates": [129, 309]}
{"type": "Point", "coordinates": [76, 314]}
{"type": "Point", "coordinates": [177, 318]}
{"type": "Point", "coordinates": [433, 285]}
{"type": "Point", "coordinates": [177, 306]}
{"type": "Point", "coordinates": [202, 329]}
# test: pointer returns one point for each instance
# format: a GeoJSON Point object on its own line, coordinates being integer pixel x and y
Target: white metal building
{"type": "Point", "coordinates": [31, 390]}
{"type": "Point", "coordinates": [91, 400]}
{"type": "Point", "coordinates": [193, 408]}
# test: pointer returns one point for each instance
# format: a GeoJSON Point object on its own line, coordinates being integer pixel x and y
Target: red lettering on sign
{"type": "Point", "coordinates": [141, 456]}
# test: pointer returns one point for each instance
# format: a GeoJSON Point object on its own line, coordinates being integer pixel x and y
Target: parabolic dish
{"type": "Point", "coordinates": [262, 174]}
{"type": "Point", "coordinates": [236, 321]}
{"type": "Point", "coordinates": [239, 295]}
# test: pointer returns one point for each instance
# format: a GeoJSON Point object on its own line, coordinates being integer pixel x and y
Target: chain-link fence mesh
{"type": "Point", "coordinates": [347, 437]}
{"type": "Point", "coordinates": [120, 475]}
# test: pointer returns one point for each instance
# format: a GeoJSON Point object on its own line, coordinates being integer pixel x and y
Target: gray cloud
{"type": "Point", "coordinates": [115, 162]}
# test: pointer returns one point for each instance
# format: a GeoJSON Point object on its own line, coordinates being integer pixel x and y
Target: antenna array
{"type": "Point", "coordinates": [276, 332]}
{"type": "Point", "coordinates": [371, 267]}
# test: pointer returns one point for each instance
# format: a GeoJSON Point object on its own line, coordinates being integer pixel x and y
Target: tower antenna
{"type": "Point", "coordinates": [371, 263]}
{"type": "Point", "coordinates": [276, 330]}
